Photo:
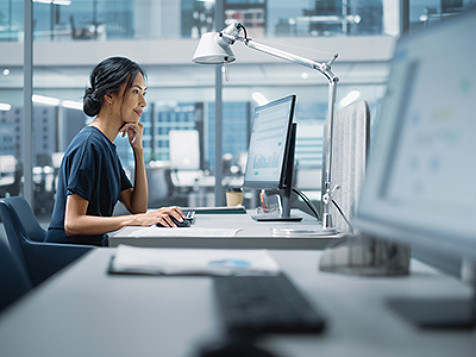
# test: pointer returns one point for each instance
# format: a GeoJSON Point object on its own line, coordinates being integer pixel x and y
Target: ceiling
{"type": "Point", "coordinates": [62, 69]}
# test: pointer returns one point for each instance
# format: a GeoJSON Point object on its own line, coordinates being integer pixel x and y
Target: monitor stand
{"type": "Point", "coordinates": [448, 314]}
{"type": "Point", "coordinates": [285, 214]}
{"type": "Point", "coordinates": [286, 190]}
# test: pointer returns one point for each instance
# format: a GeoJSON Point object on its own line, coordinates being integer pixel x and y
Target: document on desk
{"type": "Point", "coordinates": [158, 261]}
{"type": "Point", "coordinates": [184, 232]}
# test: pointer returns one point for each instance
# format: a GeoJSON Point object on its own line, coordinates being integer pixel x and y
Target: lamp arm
{"type": "Point", "coordinates": [231, 34]}
{"type": "Point", "coordinates": [324, 68]}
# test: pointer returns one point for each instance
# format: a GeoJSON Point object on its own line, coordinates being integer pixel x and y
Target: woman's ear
{"type": "Point", "coordinates": [109, 98]}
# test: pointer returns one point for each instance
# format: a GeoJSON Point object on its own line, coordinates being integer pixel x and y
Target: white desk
{"type": "Point", "coordinates": [251, 234]}
{"type": "Point", "coordinates": [85, 312]}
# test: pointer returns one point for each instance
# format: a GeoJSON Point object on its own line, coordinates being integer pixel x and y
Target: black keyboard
{"type": "Point", "coordinates": [254, 305]}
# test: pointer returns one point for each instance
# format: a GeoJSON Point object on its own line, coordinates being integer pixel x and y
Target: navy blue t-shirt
{"type": "Point", "coordinates": [90, 168]}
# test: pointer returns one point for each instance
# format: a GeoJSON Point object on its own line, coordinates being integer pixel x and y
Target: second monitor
{"type": "Point", "coordinates": [270, 162]}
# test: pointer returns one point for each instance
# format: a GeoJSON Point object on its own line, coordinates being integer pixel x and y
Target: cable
{"type": "Point", "coordinates": [240, 26]}
{"type": "Point", "coordinates": [307, 202]}
{"type": "Point", "coordinates": [313, 209]}
{"type": "Point", "coordinates": [343, 216]}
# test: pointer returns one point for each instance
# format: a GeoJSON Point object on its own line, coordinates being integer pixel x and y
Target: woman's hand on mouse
{"type": "Point", "coordinates": [162, 215]}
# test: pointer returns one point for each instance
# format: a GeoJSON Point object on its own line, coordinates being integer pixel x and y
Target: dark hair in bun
{"type": "Point", "coordinates": [107, 78]}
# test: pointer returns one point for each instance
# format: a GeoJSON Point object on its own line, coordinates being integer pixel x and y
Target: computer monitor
{"type": "Point", "coordinates": [270, 161]}
{"type": "Point", "coordinates": [184, 149]}
{"type": "Point", "coordinates": [419, 187]}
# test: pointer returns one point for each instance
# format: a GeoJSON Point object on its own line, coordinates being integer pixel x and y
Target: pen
{"type": "Point", "coordinates": [261, 195]}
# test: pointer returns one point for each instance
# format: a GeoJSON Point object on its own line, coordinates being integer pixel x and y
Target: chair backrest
{"type": "Point", "coordinates": [10, 222]}
{"type": "Point", "coordinates": [351, 134]}
{"type": "Point", "coordinates": [14, 281]}
{"type": "Point", "coordinates": [19, 223]}
{"type": "Point", "coordinates": [160, 185]}
{"type": "Point", "coordinates": [41, 259]}
{"type": "Point", "coordinates": [27, 220]}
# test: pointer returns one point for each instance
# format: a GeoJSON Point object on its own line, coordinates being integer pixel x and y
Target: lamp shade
{"type": "Point", "coordinates": [212, 49]}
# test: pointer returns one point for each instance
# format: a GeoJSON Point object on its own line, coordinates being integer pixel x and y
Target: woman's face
{"type": "Point", "coordinates": [134, 101]}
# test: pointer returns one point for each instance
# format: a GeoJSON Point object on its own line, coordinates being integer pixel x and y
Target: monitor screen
{"type": "Point", "coordinates": [420, 184]}
{"type": "Point", "coordinates": [269, 142]}
{"type": "Point", "coordinates": [184, 157]}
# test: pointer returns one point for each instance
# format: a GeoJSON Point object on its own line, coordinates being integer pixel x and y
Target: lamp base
{"type": "Point", "coordinates": [266, 218]}
{"type": "Point", "coordinates": [366, 256]}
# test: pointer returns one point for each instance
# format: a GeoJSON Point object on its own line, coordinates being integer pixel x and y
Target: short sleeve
{"type": "Point", "coordinates": [82, 172]}
{"type": "Point", "coordinates": [125, 182]}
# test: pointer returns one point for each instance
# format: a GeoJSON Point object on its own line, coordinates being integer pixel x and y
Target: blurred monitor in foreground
{"type": "Point", "coordinates": [419, 189]}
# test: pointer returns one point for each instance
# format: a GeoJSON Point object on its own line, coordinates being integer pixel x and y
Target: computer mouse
{"type": "Point", "coordinates": [184, 223]}
{"type": "Point", "coordinates": [233, 349]}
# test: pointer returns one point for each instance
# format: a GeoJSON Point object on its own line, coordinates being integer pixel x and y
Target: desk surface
{"type": "Point", "coordinates": [85, 312]}
{"type": "Point", "coordinates": [251, 234]}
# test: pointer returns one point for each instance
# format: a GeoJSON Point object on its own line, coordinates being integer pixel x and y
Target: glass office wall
{"type": "Point", "coordinates": [325, 18]}
{"type": "Point", "coordinates": [181, 96]}
{"type": "Point", "coordinates": [83, 20]}
{"type": "Point", "coordinates": [423, 13]}
{"type": "Point", "coordinates": [11, 115]}
{"type": "Point", "coordinates": [104, 20]}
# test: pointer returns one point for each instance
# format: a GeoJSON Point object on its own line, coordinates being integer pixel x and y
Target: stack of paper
{"type": "Point", "coordinates": [134, 260]}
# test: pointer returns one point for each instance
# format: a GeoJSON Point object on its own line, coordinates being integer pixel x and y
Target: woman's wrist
{"type": "Point", "coordinates": [139, 154]}
{"type": "Point", "coordinates": [138, 150]}
{"type": "Point", "coordinates": [129, 220]}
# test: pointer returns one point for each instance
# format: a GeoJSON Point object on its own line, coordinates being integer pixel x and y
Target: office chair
{"type": "Point", "coordinates": [14, 281]}
{"type": "Point", "coordinates": [25, 237]}
{"type": "Point", "coordinates": [162, 190]}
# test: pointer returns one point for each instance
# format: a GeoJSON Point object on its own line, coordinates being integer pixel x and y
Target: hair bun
{"type": "Point", "coordinates": [91, 105]}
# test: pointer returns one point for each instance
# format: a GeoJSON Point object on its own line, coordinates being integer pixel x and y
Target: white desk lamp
{"type": "Point", "coordinates": [215, 48]}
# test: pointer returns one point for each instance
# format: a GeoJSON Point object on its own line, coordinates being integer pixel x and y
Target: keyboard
{"type": "Point", "coordinates": [254, 305]}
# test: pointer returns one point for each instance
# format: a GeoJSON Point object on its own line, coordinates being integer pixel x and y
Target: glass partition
{"type": "Point", "coordinates": [104, 20]}
{"type": "Point", "coordinates": [180, 94]}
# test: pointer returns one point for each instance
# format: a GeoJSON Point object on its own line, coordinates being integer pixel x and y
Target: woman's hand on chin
{"type": "Point", "coordinates": [134, 134]}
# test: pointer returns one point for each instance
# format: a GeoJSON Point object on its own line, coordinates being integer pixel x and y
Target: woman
{"type": "Point", "coordinates": [91, 178]}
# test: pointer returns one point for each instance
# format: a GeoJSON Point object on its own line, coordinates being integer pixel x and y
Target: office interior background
{"type": "Point", "coordinates": [71, 36]}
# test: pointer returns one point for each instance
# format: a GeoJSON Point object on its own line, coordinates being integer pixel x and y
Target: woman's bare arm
{"type": "Point", "coordinates": [77, 222]}
{"type": "Point", "coordinates": [136, 199]}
